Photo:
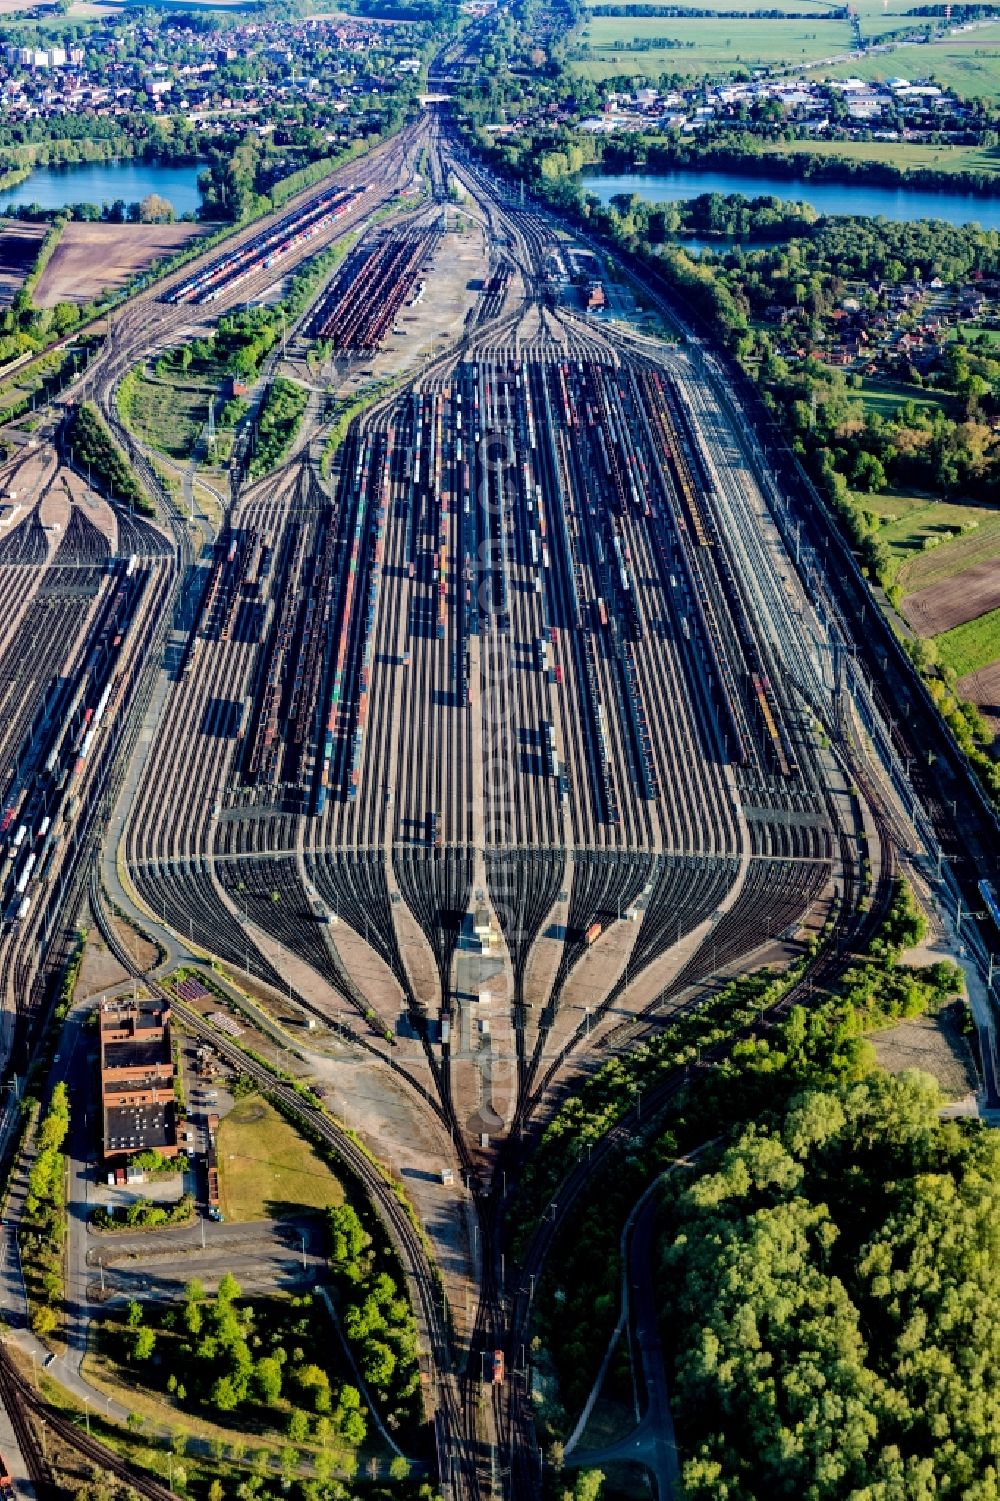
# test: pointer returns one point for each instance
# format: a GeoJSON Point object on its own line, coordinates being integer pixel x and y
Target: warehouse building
{"type": "Point", "coordinates": [137, 1078]}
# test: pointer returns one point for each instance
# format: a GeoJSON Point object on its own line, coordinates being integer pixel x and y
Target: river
{"type": "Point", "coordinates": [866, 199]}
{"type": "Point", "coordinates": [104, 182]}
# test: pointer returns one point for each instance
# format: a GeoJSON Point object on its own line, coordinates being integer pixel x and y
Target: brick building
{"type": "Point", "coordinates": [137, 1078]}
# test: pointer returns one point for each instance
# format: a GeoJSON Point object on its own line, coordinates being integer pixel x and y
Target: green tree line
{"type": "Point", "coordinates": [43, 1221]}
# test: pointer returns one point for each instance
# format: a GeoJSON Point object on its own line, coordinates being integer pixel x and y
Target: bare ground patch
{"type": "Point", "coordinates": [982, 688]}
{"type": "Point", "coordinates": [92, 257]}
{"type": "Point", "coordinates": [99, 970]}
{"type": "Point", "coordinates": [933, 1044]}
{"type": "Point", "coordinates": [954, 601]}
{"type": "Point", "coordinates": [145, 953]}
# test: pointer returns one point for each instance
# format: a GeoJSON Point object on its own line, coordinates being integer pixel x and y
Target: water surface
{"type": "Point", "coordinates": [826, 197]}
{"type": "Point", "coordinates": [104, 182]}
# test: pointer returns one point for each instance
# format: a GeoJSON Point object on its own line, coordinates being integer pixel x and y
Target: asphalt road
{"type": "Point", "coordinates": [652, 1442]}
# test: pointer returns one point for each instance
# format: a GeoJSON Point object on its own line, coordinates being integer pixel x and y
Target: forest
{"type": "Point", "coordinates": [831, 1293]}
{"type": "Point", "coordinates": [763, 1082]}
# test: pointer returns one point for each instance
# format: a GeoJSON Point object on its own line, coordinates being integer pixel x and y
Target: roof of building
{"type": "Point", "coordinates": [141, 1016]}
{"type": "Point", "coordinates": [130, 1085]}
{"type": "Point", "coordinates": [137, 1053]}
{"type": "Point", "coordinates": [137, 1128]}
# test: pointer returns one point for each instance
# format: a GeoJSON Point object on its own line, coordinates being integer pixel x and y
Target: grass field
{"type": "Point", "coordinates": [885, 397]}
{"type": "Point", "coordinates": [951, 558]}
{"type": "Point", "coordinates": [169, 414]}
{"type": "Point", "coordinates": [969, 64]}
{"type": "Point", "coordinates": [895, 11]}
{"type": "Point", "coordinates": [971, 646]}
{"type": "Point", "coordinates": [973, 332]}
{"type": "Point", "coordinates": [910, 519]}
{"type": "Point", "coordinates": [897, 153]}
{"type": "Point", "coordinates": [893, 506]}
{"type": "Point", "coordinates": [710, 44]}
{"type": "Point", "coordinates": [873, 14]}
{"type": "Point", "coordinates": [266, 1169]}
{"type": "Point", "coordinates": [875, 27]}
{"type": "Point", "coordinates": [824, 9]}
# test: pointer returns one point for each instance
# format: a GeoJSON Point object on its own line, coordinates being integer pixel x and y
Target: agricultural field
{"type": "Point", "coordinates": [971, 646]}
{"type": "Point", "coordinates": [946, 563]}
{"type": "Point", "coordinates": [822, 8]}
{"type": "Point", "coordinates": [968, 535]}
{"type": "Point", "coordinates": [704, 44]}
{"type": "Point", "coordinates": [943, 606]}
{"type": "Point", "coordinates": [982, 688]}
{"type": "Point", "coordinates": [19, 247]}
{"type": "Point", "coordinates": [873, 14]}
{"type": "Point", "coordinates": [48, 10]}
{"type": "Point", "coordinates": [92, 258]}
{"type": "Point", "coordinates": [910, 154]}
{"type": "Point", "coordinates": [968, 63]}
{"type": "Point", "coordinates": [933, 540]}
{"type": "Point", "coordinates": [266, 1169]}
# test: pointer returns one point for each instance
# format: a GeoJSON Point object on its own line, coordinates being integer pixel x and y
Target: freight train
{"type": "Point", "coordinates": [266, 249]}
{"type": "Point", "coordinates": [42, 798]}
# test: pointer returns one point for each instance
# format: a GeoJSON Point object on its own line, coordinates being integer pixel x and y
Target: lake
{"type": "Point", "coordinates": [825, 197]}
{"type": "Point", "coordinates": [103, 182]}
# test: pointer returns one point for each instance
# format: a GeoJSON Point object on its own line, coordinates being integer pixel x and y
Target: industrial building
{"type": "Point", "coordinates": [137, 1078]}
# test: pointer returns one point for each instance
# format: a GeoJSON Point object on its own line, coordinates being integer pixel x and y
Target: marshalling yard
{"type": "Point", "coordinates": [489, 743]}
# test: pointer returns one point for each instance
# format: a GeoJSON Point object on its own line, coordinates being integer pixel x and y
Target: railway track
{"type": "Point", "coordinates": [21, 1399]}
{"type": "Point", "coordinates": [532, 540]}
{"type": "Point", "coordinates": [29, 1446]}
{"type": "Point", "coordinates": [404, 1237]}
{"type": "Point", "coordinates": [856, 925]}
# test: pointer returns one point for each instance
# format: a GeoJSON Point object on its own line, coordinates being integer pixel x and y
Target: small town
{"type": "Point", "coordinates": [241, 72]}
{"type": "Point", "coordinates": [896, 110]}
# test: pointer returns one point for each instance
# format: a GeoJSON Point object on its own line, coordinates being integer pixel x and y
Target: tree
{"type": "Point", "coordinates": [349, 1241]}
{"type": "Point", "coordinates": [229, 1290]}
{"type": "Point", "coordinates": [586, 1487]}
{"type": "Point", "coordinates": [144, 1343]}
{"type": "Point", "coordinates": [223, 1395]}
{"type": "Point", "coordinates": [377, 1362]}
{"type": "Point", "coordinates": [859, 1210]}
{"type": "Point", "coordinates": [354, 1429]}
{"type": "Point", "coordinates": [868, 473]}
{"type": "Point", "coordinates": [313, 1379]}
{"type": "Point", "coordinates": [298, 1426]}
{"type": "Point", "coordinates": [43, 1321]}
{"type": "Point", "coordinates": [156, 210]}
{"type": "Point", "coordinates": [267, 1379]}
